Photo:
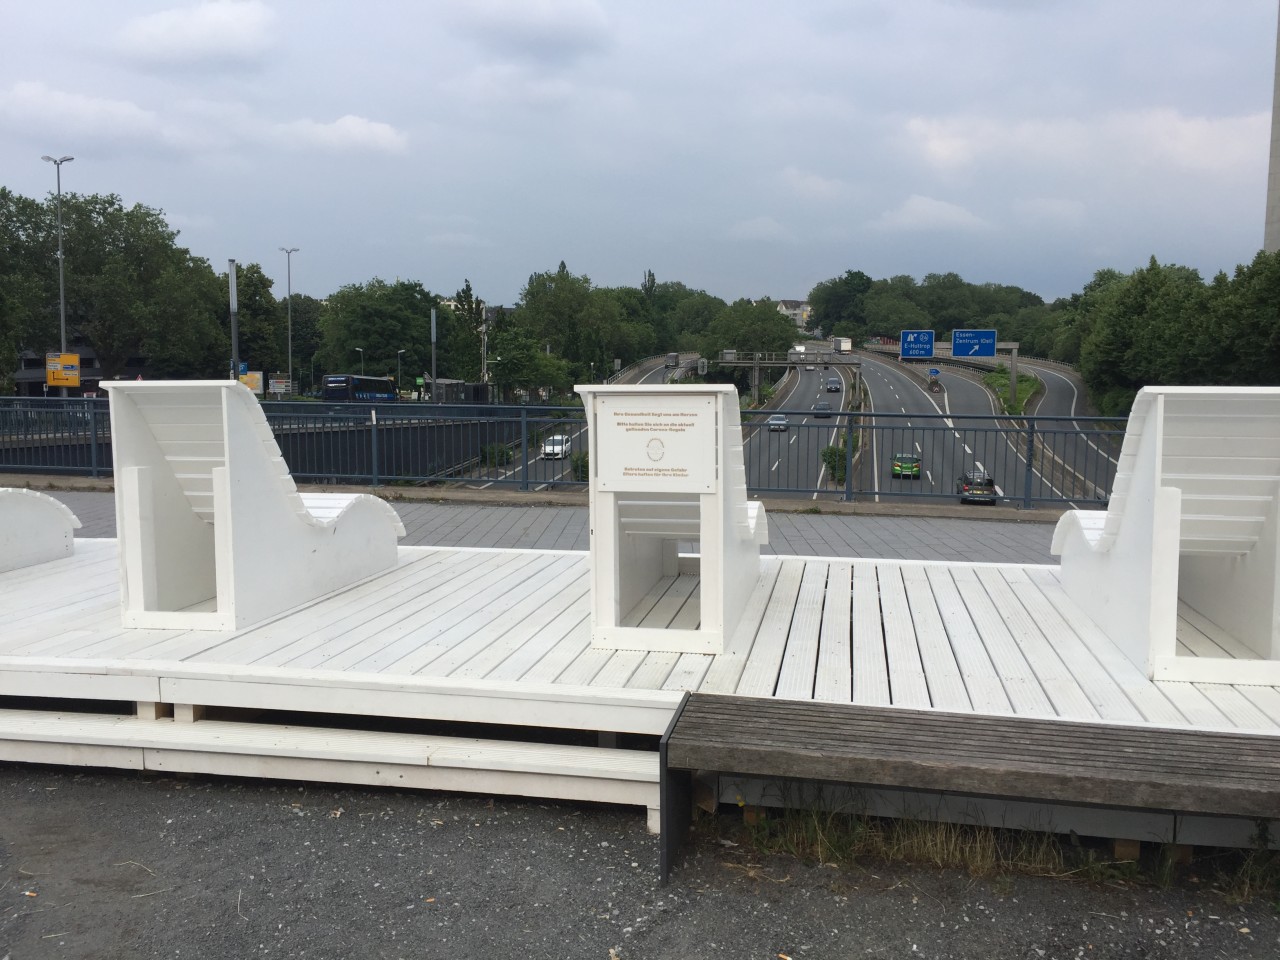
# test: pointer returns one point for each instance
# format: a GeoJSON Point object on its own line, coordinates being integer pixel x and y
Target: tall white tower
{"type": "Point", "coordinates": [1271, 235]}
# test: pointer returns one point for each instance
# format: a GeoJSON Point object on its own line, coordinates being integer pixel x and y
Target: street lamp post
{"type": "Point", "coordinates": [399, 354]}
{"type": "Point", "coordinates": [62, 282]}
{"type": "Point", "coordinates": [360, 350]}
{"type": "Point", "coordinates": [288, 272]}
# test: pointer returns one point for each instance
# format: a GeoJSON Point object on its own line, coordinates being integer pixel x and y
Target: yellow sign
{"type": "Point", "coordinates": [253, 380]}
{"type": "Point", "coordinates": [62, 369]}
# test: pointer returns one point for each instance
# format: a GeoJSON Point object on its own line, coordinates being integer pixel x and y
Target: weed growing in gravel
{"type": "Point", "coordinates": [842, 839]}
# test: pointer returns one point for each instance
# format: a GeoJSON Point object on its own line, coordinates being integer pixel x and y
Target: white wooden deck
{"type": "Point", "coordinates": [502, 637]}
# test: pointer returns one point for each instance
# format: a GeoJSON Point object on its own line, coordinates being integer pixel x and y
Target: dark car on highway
{"type": "Point", "coordinates": [822, 410]}
{"type": "Point", "coordinates": [974, 486]}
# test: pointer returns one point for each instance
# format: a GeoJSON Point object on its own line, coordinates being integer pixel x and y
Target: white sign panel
{"type": "Point", "coordinates": [656, 443]}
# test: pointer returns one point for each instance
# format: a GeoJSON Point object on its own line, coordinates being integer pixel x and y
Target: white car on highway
{"type": "Point", "coordinates": [556, 447]}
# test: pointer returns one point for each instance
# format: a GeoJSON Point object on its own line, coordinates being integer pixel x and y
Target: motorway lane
{"type": "Point", "coordinates": [1078, 459]}
{"type": "Point", "coordinates": [792, 459]}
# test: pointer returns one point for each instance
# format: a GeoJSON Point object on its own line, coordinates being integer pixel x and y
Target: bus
{"type": "Point", "coordinates": [350, 388]}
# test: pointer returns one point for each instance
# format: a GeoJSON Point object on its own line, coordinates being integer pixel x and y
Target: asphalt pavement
{"type": "Point", "coordinates": [120, 864]}
{"type": "Point", "coordinates": [911, 536]}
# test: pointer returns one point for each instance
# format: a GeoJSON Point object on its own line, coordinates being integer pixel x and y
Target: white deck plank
{"type": "Point", "coordinates": [528, 650]}
{"type": "Point", "coordinates": [760, 674]}
{"type": "Point", "coordinates": [513, 616]}
{"type": "Point", "coordinates": [533, 664]}
{"type": "Point", "coordinates": [1152, 703]}
{"type": "Point", "coordinates": [619, 668]}
{"type": "Point", "coordinates": [689, 616]}
{"type": "Point", "coordinates": [870, 666]}
{"type": "Point", "coordinates": [583, 670]}
{"type": "Point", "coordinates": [1026, 695]}
{"type": "Point", "coordinates": [506, 609]}
{"type": "Point", "coordinates": [726, 669]}
{"type": "Point", "coordinates": [1266, 699]}
{"type": "Point", "coordinates": [664, 612]}
{"type": "Point", "coordinates": [1103, 692]}
{"type": "Point", "coordinates": [834, 680]}
{"type": "Point", "coordinates": [1198, 709]}
{"type": "Point", "coordinates": [1227, 644]}
{"type": "Point", "coordinates": [449, 600]}
{"type": "Point", "coordinates": [982, 683]}
{"type": "Point", "coordinates": [281, 639]}
{"type": "Point", "coordinates": [800, 659]}
{"type": "Point", "coordinates": [688, 672]}
{"type": "Point", "coordinates": [1237, 708]}
{"type": "Point", "coordinates": [645, 604]}
{"type": "Point", "coordinates": [908, 685]}
{"type": "Point", "coordinates": [653, 671]}
{"type": "Point", "coordinates": [942, 672]}
{"type": "Point", "coordinates": [1062, 688]}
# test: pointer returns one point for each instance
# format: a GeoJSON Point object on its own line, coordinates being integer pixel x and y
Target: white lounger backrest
{"type": "Point", "coordinates": [1220, 446]}
{"type": "Point", "coordinates": [1192, 520]}
{"type": "Point", "coordinates": [213, 532]}
{"type": "Point", "coordinates": [34, 528]}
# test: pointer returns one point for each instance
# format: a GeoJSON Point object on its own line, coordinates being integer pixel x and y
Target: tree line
{"type": "Point", "coordinates": [1159, 324]}
{"type": "Point", "coordinates": [134, 293]}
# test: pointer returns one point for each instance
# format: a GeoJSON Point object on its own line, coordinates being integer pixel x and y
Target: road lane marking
{"type": "Point", "coordinates": [929, 476]}
{"type": "Point", "coordinates": [775, 465]}
{"type": "Point", "coordinates": [918, 450]}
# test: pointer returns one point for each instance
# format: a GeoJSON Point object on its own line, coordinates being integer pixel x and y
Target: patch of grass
{"type": "Point", "coordinates": [998, 382]}
{"type": "Point", "coordinates": [844, 840]}
{"type": "Point", "coordinates": [496, 455]}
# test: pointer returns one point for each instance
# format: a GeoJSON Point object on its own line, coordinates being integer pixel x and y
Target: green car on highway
{"type": "Point", "coordinates": [906, 465]}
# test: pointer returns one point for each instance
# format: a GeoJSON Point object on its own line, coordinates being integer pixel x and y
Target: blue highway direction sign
{"type": "Point", "coordinates": [935, 372]}
{"type": "Point", "coordinates": [973, 343]}
{"type": "Point", "coordinates": [916, 344]}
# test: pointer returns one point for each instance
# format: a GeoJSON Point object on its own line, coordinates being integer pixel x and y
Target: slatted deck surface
{"type": "Point", "coordinates": [970, 638]}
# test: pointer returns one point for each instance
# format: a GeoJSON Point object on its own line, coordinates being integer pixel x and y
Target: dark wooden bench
{"type": "Point", "coordinates": [1125, 767]}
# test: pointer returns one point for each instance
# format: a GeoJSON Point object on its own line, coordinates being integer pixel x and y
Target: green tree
{"type": "Point", "coordinates": [838, 305]}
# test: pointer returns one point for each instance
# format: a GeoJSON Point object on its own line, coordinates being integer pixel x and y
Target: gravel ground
{"type": "Point", "coordinates": [117, 864]}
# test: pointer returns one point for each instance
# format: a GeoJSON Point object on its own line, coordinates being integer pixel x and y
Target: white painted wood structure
{"type": "Point", "coordinates": [34, 528]}
{"type": "Point", "coordinates": [222, 665]}
{"type": "Point", "coordinates": [213, 531]}
{"type": "Point", "coordinates": [1191, 535]}
{"type": "Point", "coordinates": [666, 466]}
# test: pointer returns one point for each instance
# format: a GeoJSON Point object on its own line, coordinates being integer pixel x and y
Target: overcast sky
{"type": "Point", "coordinates": [747, 148]}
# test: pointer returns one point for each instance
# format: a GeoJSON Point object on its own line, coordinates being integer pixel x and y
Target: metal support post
{"type": "Point", "coordinates": [848, 460]}
{"type": "Point", "coordinates": [1031, 453]}
{"type": "Point", "coordinates": [373, 447]}
{"type": "Point", "coordinates": [524, 449]}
